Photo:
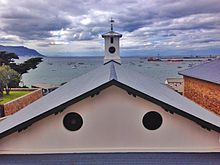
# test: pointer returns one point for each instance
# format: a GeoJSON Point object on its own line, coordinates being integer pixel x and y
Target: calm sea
{"type": "Point", "coordinates": [57, 70]}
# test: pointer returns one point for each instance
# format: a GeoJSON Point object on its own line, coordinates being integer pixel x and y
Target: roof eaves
{"type": "Point", "coordinates": [183, 73]}
{"type": "Point", "coordinates": [111, 33]}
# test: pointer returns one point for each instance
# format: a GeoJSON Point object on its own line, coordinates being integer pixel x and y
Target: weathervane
{"type": "Point", "coordinates": [112, 21]}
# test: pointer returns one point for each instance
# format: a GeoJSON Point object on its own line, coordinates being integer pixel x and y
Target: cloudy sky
{"type": "Point", "coordinates": [149, 27]}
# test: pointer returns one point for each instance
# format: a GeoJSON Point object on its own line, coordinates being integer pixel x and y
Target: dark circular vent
{"type": "Point", "coordinates": [152, 120]}
{"type": "Point", "coordinates": [73, 121]}
{"type": "Point", "coordinates": [111, 49]}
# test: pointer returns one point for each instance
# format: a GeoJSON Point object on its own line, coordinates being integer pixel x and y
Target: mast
{"type": "Point", "coordinates": [112, 22]}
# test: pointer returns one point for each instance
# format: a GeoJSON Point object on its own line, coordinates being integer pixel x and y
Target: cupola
{"type": "Point", "coordinates": [112, 45]}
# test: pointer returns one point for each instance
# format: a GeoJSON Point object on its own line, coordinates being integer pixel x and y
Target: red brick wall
{"type": "Point", "coordinates": [204, 93]}
{"type": "Point", "coordinates": [16, 105]}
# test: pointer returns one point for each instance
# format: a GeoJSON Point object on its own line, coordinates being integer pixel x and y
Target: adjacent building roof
{"type": "Point", "coordinates": [94, 82]}
{"type": "Point", "coordinates": [209, 71]}
{"type": "Point", "coordinates": [113, 158]}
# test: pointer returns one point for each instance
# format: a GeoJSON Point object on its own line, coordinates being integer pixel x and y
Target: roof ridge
{"type": "Point", "coordinates": [113, 74]}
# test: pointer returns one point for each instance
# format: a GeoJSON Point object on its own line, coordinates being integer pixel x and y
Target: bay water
{"type": "Point", "coordinates": [57, 70]}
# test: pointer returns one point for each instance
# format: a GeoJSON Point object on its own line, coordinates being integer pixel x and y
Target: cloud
{"type": "Point", "coordinates": [145, 24]}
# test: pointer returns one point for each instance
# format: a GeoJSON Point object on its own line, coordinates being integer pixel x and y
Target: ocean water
{"type": "Point", "coordinates": [57, 70]}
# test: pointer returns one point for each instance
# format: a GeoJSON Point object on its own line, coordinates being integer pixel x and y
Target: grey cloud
{"type": "Point", "coordinates": [166, 10]}
{"type": "Point", "coordinates": [142, 21]}
{"type": "Point", "coordinates": [29, 28]}
{"type": "Point", "coordinates": [8, 40]}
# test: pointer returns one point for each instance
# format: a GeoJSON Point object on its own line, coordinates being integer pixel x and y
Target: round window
{"type": "Point", "coordinates": [111, 49]}
{"type": "Point", "coordinates": [73, 121]}
{"type": "Point", "coordinates": [152, 120]}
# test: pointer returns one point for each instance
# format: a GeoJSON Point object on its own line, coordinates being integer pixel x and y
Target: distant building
{"type": "Point", "coordinates": [202, 85]}
{"type": "Point", "coordinates": [111, 115]}
{"type": "Point", "coordinates": [176, 84]}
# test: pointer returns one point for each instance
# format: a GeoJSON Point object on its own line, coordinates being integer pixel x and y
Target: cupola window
{"type": "Point", "coordinates": [111, 49]}
{"type": "Point", "coordinates": [112, 40]}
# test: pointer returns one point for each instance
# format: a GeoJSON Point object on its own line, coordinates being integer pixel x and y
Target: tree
{"type": "Point", "coordinates": [7, 58]}
{"type": "Point", "coordinates": [8, 78]}
{"type": "Point", "coordinates": [27, 65]}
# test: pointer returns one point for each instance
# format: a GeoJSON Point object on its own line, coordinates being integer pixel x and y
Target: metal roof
{"type": "Point", "coordinates": [93, 82]}
{"type": "Point", "coordinates": [113, 158]}
{"type": "Point", "coordinates": [209, 71]}
{"type": "Point", "coordinates": [112, 34]}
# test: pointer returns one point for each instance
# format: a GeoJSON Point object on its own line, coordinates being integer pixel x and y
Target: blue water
{"type": "Point", "coordinates": [57, 70]}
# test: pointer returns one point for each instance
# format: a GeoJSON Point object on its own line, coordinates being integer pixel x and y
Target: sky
{"type": "Point", "coordinates": [149, 27]}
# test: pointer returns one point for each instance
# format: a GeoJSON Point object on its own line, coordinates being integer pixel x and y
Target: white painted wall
{"type": "Point", "coordinates": [112, 56]}
{"type": "Point", "coordinates": [112, 123]}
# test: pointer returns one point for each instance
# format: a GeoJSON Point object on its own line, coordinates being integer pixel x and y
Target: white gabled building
{"type": "Point", "coordinates": [111, 115]}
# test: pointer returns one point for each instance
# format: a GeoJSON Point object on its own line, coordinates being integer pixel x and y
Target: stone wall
{"type": "Point", "coordinates": [21, 102]}
{"type": "Point", "coordinates": [204, 93]}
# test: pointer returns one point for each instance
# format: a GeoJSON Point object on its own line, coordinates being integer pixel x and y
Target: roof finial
{"type": "Point", "coordinates": [112, 21]}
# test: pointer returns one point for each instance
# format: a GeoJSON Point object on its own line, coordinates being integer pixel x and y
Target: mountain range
{"type": "Point", "coordinates": [20, 50]}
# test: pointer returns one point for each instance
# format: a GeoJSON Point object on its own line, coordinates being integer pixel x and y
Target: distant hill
{"type": "Point", "coordinates": [20, 50]}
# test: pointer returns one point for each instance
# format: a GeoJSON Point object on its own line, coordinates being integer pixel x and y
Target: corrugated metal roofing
{"type": "Point", "coordinates": [114, 158]}
{"type": "Point", "coordinates": [106, 74]}
{"type": "Point", "coordinates": [209, 71]}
